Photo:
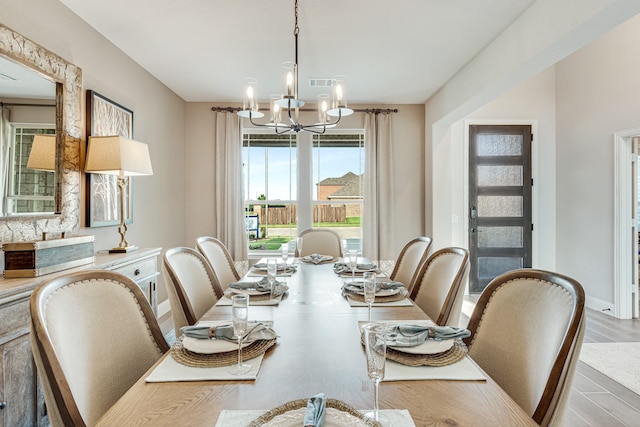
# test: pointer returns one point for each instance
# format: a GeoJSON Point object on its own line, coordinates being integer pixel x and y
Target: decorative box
{"type": "Point", "coordinates": [35, 258]}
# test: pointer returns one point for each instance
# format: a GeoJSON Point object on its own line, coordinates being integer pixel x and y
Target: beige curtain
{"type": "Point", "coordinates": [377, 219]}
{"type": "Point", "coordinates": [229, 221]}
{"type": "Point", "coordinates": [5, 154]}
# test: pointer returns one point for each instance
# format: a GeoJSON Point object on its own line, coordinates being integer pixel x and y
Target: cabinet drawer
{"type": "Point", "coordinates": [139, 270]}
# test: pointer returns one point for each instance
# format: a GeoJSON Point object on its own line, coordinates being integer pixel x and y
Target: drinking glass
{"type": "Point", "coordinates": [240, 309]}
{"type": "Point", "coordinates": [369, 289]}
{"type": "Point", "coordinates": [353, 263]}
{"type": "Point", "coordinates": [299, 246]}
{"type": "Point", "coordinates": [345, 246]}
{"type": "Point", "coordinates": [284, 249]}
{"type": "Point", "coordinates": [376, 351]}
{"type": "Point", "coordinates": [272, 270]}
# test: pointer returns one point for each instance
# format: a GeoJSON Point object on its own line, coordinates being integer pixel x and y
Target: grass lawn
{"type": "Point", "coordinates": [274, 243]}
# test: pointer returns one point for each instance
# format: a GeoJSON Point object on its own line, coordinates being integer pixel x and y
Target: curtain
{"type": "Point", "coordinates": [229, 220]}
{"type": "Point", "coordinates": [377, 219]}
{"type": "Point", "coordinates": [5, 154]}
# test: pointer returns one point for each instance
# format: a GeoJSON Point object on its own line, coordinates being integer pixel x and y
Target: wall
{"type": "Point", "coordinates": [598, 93]}
{"type": "Point", "coordinates": [408, 138]}
{"type": "Point", "coordinates": [159, 117]}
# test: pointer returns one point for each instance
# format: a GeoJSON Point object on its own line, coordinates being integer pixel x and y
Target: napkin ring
{"type": "Point", "coordinates": [432, 333]}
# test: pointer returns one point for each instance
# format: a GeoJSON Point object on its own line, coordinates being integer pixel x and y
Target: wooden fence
{"type": "Point", "coordinates": [288, 214]}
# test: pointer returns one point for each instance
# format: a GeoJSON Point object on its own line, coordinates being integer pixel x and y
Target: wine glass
{"type": "Point", "coordinates": [345, 246]}
{"type": "Point", "coordinates": [240, 309]}
{"type": "Point", "coordinates": [353, 263]}
{"type": "Point", "coordinates": [376, 351]}
{"type": "Point", "coordinates": [284, 249]}
{"type": "Point", "coordinates": [299, 246]}
{"type": "Point", "coordinates": [369, 289]}
{"type": "Point", "coordinates": [272, 270]}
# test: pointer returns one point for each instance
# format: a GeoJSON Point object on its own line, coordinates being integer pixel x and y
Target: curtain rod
{"type": "Point", "coordinates": [357, 110]}
{"type": "Point", "coordinates": [18, 104]}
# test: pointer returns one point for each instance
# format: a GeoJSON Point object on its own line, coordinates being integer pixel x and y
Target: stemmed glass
{"type": "Point", "coordinates": [240, 309]}
{"type": "Point", "coordinates": [284, 249]}
{"type": "Point", "coordinates": [272, 270]}
{"type": "Point", "coordinates": [299, 246]}
{"type": "Point", "coordinates": [345, 246]}
{"type": "Point", "coordinates": [353, 263]}
{"type": "Point", "coordinates": [376, 350]}
{"type": "Point", "coordinates": [369, 289]}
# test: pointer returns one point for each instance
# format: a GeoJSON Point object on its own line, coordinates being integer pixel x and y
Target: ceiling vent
{"type": "Point", "coordinates": [318, 82]}
{"type": "Point", "coordinates": [6, 77]}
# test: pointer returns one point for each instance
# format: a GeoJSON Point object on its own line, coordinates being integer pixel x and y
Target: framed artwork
{"type": "Point", "coordinates": [106, 118]}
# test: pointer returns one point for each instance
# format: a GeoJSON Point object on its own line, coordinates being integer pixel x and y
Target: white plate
{"type": "Point", "coordinates": [428, 347]}
{"type": "Point", "coordinates": [357, 289]}
{"type": "Point", "coordinates": [247, 291]}
{"type": "Point", "coordinates": [332, 418]}
{"type": "Point", "coordinates": [202, 346]}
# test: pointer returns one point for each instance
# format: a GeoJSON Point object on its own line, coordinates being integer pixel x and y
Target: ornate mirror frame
{"type": "Point", "coordinates": [68, 78]}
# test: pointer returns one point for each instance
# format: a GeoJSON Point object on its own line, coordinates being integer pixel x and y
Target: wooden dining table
{"type": "Point", "coordinates": [318, 351]}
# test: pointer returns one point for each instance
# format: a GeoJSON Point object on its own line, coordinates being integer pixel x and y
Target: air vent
{"type": "Point", "coordinates": [7, 77]}
{"type": "Point", "coordinates": [318, 82]}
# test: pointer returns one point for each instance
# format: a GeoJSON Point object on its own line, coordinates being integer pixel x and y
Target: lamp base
{"type": "Point", "coordinates": [123, 249]}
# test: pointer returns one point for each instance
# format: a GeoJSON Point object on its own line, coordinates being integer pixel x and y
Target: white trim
{"type": "Point", "coordinates": [535, 205]}
{"type": "Point", "coordinates": [599, 305]}
{"type": "Point", "coordinates": [622, 190]}
{"type": "Point", "coordinates": [163, 308]}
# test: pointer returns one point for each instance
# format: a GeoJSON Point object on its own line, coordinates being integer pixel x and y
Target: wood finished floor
{"type": "Point", "coordinates": [596, 400]}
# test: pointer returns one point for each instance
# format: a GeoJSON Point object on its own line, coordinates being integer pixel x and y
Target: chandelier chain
{"type": "Point", "coordinates": [296, 29]}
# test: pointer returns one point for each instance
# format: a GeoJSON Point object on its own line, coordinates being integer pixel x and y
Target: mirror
{"type": "Point", "coordinates": [66, 78]}
{"type": "Point", "coordinates": [27, 114]}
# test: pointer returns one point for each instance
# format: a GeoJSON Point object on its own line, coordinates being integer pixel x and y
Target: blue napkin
{"type": "Point", "coordinates": [255, 332]}
{"type": "Point", "coordinates": [314, 416]}
{"type": "Point", "coordinates": [406, 335]}
{"type": "Point", "coordinates": [261, 285]}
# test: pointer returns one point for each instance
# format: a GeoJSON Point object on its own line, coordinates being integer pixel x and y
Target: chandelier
{"type": "Point", "coordinates": [287, 103]}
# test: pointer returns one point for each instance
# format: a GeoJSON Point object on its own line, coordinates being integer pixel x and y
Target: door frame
{"type": "Point", "coordinates": [534, 175]}
{"type": "Point", "coordinates": [624, 287]}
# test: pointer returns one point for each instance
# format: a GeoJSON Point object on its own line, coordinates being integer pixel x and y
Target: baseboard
{"type": "Point", "coordinates": [164, 311]}
{"type": "Point", "coordinates": [600, 305]}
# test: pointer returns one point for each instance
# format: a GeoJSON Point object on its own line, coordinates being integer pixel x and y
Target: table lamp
{"type": "Point", "coordinates": [43, 153]}
{"type": "Point", "coordinates": [123, 157]}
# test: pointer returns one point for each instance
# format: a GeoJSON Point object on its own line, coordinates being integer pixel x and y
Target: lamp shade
{"type": "Point", "coordinates": [116, 155]}
{"type": "Point", "coordinates": [43, 153]}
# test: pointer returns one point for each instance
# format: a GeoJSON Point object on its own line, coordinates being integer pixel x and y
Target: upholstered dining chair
{"type": "Point", "coordinates": [192, 286]}
{"type": "Point", "coordinates": [220, 260]}
{"type": "Point", "coordinates": [319, 241]}
{"type": "Point", "coordinates": [411, 258]}
{"type": "Point", "coordinates": [93, 335]}
{"type": "Point", "coordinates": [440, 285]}
{"type": "Point", "coordinates": [526, 332]}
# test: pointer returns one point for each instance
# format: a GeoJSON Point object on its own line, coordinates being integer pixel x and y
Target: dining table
{"type": "Point", "coordinates": [318, 350]}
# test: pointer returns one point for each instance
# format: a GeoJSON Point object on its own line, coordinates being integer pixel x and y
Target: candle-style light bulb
{"type": "Point", "coordinates": [289, 82]}
{"type": "Point", "coordinates": [250, 97]}
{"type": "Point", "coordinates": [339, 93]}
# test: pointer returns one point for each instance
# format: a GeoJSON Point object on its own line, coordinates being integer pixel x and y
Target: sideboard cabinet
{"type": "Point", "coordinates": [21, 398]}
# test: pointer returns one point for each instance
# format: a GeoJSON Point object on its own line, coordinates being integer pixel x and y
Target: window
{"type": "Point", "coordinates": [28, 190]}
{"type": "Point", "coordinates": [275, 168]}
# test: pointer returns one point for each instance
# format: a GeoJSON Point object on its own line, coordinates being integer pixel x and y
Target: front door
{"type": "Point", "coordinates": [500, 224]}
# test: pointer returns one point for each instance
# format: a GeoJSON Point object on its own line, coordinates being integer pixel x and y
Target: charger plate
{"type": "Point", "coordinates": [291, 414]}
{"type": "Point", "coordinates": [214, 360]}
{"type": "Point", "coordinates": [401, 294]}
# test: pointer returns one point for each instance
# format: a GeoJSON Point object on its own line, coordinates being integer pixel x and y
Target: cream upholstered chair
{"type": "Point", "coordinates": [191, 285]}
{"type": "Point", "coordinates": [220, 260]}
{"type": "Point", "coordinates": [526, 332]}
{"type": "Point", "coordinates": [411, 258]}
{"type": "Point", "coordinates": [93, 335]}
{"type": "Point", "coordinates": [440, 285]}
{"type": "Point", "coordinates": [319, 241]}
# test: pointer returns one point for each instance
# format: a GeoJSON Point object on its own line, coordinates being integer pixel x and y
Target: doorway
{"type": "Point", "coordinates": [500, 201]}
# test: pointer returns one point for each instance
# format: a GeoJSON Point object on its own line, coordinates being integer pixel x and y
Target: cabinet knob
{"type": "Point", "coordinates": [137, 272]}
{"type": "Point", "coordinates": [3, 405]}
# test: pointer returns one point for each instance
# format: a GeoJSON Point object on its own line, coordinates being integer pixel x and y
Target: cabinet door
{"type": "Point", "coordinates": [18, 390]}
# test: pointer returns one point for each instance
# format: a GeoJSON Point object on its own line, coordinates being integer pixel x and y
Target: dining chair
{"type": "Point", "coordinates": [218, 256]}
{"type": "Point", "coordinates": [440, 285]}
{"type": "Point", "coordinates": [411, 258]}
{"type": "Point", "coordinates": [526, 332]}
{"type": "Point", "coordinates": [192, 286]}
{"type": "Point", "coordinates": [319, 241]}
{"type": "Point", "coordinates": [93, 335]}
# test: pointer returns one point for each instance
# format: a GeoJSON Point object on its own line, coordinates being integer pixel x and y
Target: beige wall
{"type": "Point", "coordinates": [408, 138]}
{"type": "Point", "coordinates": [159, 117]}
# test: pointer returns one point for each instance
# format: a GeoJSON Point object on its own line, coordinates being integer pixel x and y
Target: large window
{"type": "Point", "coordinates": [28, 190]}
{"type": "Point", "coordinates": [289, 176]}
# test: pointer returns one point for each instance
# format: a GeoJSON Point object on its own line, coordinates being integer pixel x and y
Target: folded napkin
{"type": "Point", "coordinates": [317, 258]}
{"type": "Point", "coordinates": [314, 416]}
{"type": "Point", "coordinates": [380, 286]}
{"type": "Point", "coordinates": [261, 285]}
{"type": "Point", "coordinates": [341, 267]}
{"type": "Point", "coordinates": [281, 267]}
{"type": "Point", "coordinates": [406, 335]}
{"type": "Point", "coordinates": [256, 331]}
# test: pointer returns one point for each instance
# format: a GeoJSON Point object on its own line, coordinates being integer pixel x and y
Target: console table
{"type": "Point", "coordinates": [21, 399]}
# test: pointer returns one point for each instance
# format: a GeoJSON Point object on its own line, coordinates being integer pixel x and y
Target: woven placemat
{"type": "Point", "coordinates": [216, 360]}
{"type": "Point", "coordinates": [402, 294]}
{"type": "Point", "coordinates": [302, 403]}
{"type": "Point", "coordinates": [454, 354]}
{"type": "Point", "coordinates": [280, 290]}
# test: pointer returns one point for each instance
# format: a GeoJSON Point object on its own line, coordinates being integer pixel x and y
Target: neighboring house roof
{"type": "Point", "coordinates": [349, 184]}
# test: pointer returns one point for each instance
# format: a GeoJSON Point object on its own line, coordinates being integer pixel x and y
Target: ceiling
{"type": "Point", "coordinates": [17, 81]}
{"type": "Point", "coordinates": [392, 52]}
